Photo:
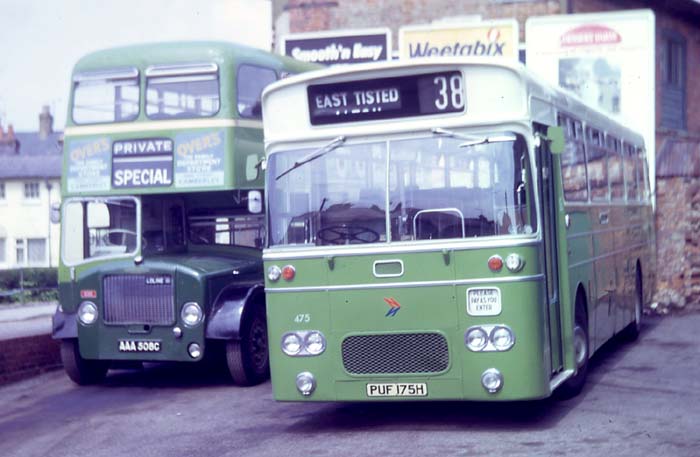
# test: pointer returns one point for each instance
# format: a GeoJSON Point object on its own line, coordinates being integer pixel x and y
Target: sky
{"type": "Point", "coordinates": [41, 40]}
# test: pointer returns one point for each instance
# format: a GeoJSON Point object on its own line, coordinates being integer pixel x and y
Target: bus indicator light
{"type": "Point", "coordinates": [288, 272]}
{"type": "Point", "coordinates": [274, 273]}
{"type": "Point", "coordinates": [495, 263]}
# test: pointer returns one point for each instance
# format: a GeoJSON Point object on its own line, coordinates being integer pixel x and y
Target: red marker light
{"type": "Point", "coordinates": [288, 272]}
{"type": "Point", "coordinates": [495, 263]}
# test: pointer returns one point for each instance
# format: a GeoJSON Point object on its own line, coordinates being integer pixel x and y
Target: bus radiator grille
{"type": "Point", "coordinates": [405, 353]}
{"type": "Point", "coordinates": [129, 299]}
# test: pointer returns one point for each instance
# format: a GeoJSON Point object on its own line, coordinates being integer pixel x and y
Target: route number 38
{"type": "Point", "coordinates": [450, 92]}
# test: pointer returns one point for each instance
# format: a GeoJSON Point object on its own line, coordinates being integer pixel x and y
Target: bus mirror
{"type": "Point", "coordinates": [97, 215]}
{"type": "Point", "coordinates": [254, 202]}
{"type": "Point", "coordinates": [555, 135]}
{"type": "Point", "coordinates": [55, 213]}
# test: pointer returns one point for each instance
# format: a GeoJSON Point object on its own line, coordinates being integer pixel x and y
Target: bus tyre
{"type": "Point", "coordinates": [247, 358]}
{"type": "Point", "coordinates": [81, 371]}
{"type": "Point", "coordinates": [573, 386]}
{"type": "Point", "coordinates": [631, 332]}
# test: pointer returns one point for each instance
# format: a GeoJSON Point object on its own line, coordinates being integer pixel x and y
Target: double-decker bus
{"type": "Point", "coordinates": [447, 229]}
{"type": "Point", "coordinates": [162, 220]}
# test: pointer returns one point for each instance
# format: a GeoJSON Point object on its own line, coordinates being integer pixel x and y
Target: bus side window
{"type": "Point", "coordinates": [615, 165]}
{"type": "Point", "coordinates": [597, 165]}
{"type": "Point", "coordinates": [251, 81]}
{"type": "Point", "coordinates": [631, 172]}
{"type": "Point", "coordinates": [642, 174]}
{"type": "Point", "coordinates": [573, 163]}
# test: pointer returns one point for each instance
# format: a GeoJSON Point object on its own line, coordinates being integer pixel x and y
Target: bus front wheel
{"type": "Point", "coordinates": [81, 371]}
{"type": "Point", "coordinates": [247, 358]}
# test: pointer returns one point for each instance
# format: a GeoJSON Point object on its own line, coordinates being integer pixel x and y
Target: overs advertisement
{"type": "Point", "coordinates": [607, 59]}
{"type": "Point", "coordinates": [339, 46]}
{"type": "Point", "coordinates": [479, 39]}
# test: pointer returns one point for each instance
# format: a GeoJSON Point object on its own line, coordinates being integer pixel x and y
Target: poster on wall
{"type": "Point", "coordinates": [607, 59]}
{"type": "Point", "coordinates": [338, 46]}
{"type": "Point", "coordinates": [476, 38]}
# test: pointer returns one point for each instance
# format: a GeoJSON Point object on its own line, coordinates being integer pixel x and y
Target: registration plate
{"type": "Point", "coordinates": [397, 389]}
{"type": "Point", "coordinates": [139, 346]}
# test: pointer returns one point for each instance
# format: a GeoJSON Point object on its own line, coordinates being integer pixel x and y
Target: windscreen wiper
{"type": "Point", "coordinates": [487, 140]}
{"type": "Point", "coordinates": [320, 152]}
{"type": "Point", "coordinates": [471, 139]}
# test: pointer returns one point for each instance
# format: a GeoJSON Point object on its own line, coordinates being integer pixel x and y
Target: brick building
{"type": "Point", "coordinates": [677, 99]}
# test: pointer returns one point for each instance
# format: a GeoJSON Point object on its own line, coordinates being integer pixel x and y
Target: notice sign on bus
{"type": "Point", "coordinates": [484, 301]}
{"type": "Point", "coordinates": [144, 162]}
{"type": "Point", "coordinates": [386, 98]}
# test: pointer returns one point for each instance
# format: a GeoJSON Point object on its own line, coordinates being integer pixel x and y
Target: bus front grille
{"type": "Point", "coordinates": [139, 299]}
{"type": "Point", "coordinates": [404, 353]}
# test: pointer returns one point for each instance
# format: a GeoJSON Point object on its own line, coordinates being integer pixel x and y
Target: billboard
{"type": "Point", "coordinates": [338, 46]}
{"type": "Point", "coordinates": [607, 59]}
{"type": "Point", "coordinates": [478, 38]}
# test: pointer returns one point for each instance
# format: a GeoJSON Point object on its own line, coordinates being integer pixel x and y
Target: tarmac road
{"type": "Point", "coordinates": [642, 399]}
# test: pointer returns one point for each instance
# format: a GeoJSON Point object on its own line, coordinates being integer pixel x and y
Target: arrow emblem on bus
{"type": "Point", "coordinates": [394, 307]}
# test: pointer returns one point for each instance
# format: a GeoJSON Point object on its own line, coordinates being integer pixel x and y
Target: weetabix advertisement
{"type": "Point", "coordinates": [477, 39]}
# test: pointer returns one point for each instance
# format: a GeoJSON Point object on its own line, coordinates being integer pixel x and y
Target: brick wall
{"type": "Point", "coordinates": [310, 16]}
{"type": "Point", "coordinates": [24, 357]}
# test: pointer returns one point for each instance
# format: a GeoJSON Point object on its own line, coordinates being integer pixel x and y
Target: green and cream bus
{"type": "Point", "coordinates": [447, 229]}
{"type": "Point", "coordinates": [162, 221]}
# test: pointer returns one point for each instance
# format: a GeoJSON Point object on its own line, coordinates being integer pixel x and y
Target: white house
{"type": "Point", "coordinates": [30, 176]}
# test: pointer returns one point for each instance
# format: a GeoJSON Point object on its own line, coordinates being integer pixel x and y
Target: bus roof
{"type": "Point", "coordinates": [515, 94]}
{"type": "Point", "coordinates": [143, 55]}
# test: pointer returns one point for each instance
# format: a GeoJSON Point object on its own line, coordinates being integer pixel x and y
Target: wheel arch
{"type": "Point", "coordinates": [231, 309]}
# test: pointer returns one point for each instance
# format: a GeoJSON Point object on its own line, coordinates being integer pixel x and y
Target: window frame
{"type": "Point", "coordinates": [182, 70]}
{"type": "Point", "coordinates": [114, 74]}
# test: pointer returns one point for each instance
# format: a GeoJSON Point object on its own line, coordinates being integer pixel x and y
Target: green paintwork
{"type": "Point", "coordinates": [440, 308]}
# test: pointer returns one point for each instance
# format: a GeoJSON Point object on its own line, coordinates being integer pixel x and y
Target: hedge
{"type": "Point", "coordinates": [40, 284]}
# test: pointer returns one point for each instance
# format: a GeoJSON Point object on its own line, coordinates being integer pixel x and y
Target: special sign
{"type": "Point", "coordinates": [144, 162]}
{"type": "Point", "coordinates": [386, 98]}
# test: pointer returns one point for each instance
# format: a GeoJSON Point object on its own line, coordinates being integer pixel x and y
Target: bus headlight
{"type": "Point", "coordinates": [476, 339]}
{"type": "Point", "coordinates": [303, 343]}
{"type": "Point", "coordinates": [492, 380]}
{"type": "Point", "coordinates": [315, 343]}
{"type": "Point", "coordinates": [306, 383]}
{"type": "Point", "coordinates": [291, 343]}
{"type": "Point", "coordinates": [502, 338]}
{"type": "Point", "coordinates": [87, 313]}
{"type": "Point", "coordinates": [191, 314]}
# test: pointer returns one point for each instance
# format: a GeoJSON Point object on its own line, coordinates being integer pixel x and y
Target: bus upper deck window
{"type": "Point", "coordinates": [182, 91]}
{"type": "Point", "coordinates": [105, 96]}
{"type": "Point", "coordinates": [251, 81]}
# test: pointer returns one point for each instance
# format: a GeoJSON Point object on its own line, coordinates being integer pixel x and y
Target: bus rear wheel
{"type": "Point", "coordinates": [247, 358]}
{"type": "Point", "coordinates": [81, 371]}
{"type": "Point", "coordinates": [631, 332]}
{"type": "Point", "coordinates": [573, 386]}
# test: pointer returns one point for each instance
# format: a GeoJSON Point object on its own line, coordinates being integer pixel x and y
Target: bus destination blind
{"type": "Point", "coordinates": [386, 98]}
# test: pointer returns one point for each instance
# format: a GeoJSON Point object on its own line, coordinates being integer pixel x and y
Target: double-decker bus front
{"type": "Point", "coordinates": [162, 221]}
{"type": "Point", "coordinates": [405, 257]}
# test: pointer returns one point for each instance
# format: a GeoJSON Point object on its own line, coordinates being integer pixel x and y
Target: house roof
{"type": "Point", "coordinates": [31, 156]}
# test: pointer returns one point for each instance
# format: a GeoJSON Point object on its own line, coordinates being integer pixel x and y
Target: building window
{"type": "Point", "coordinates": [21, 251]}
{"type": "Point", "coordinates": [31, 190]}
{"type": "Point", "coordinates": [31, 251]}
{"type": "Point", "coordinates": [673, 69]}
{"type": "Point", "coordinates": [36, 251]}
{"type": "Point", "coordinates": [2, 250]}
